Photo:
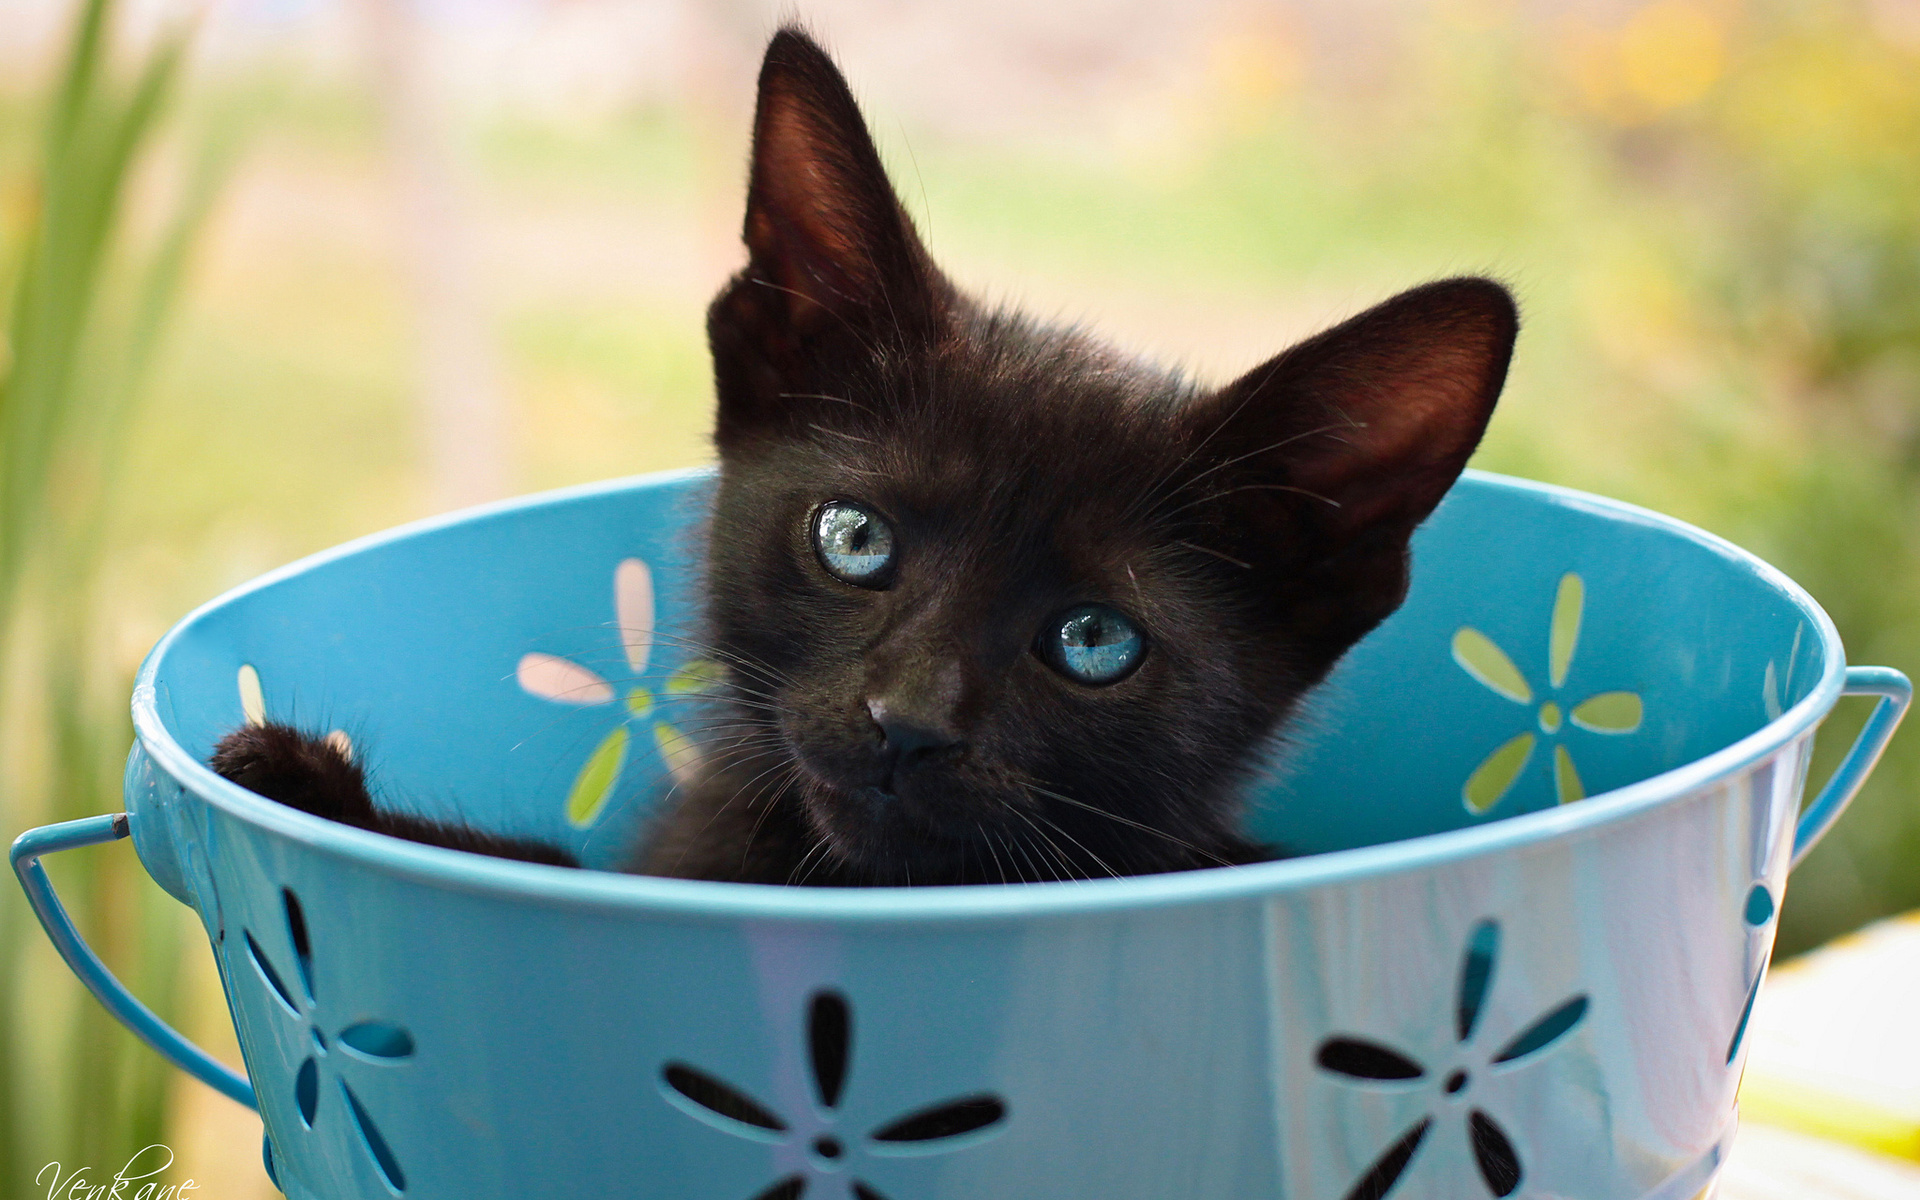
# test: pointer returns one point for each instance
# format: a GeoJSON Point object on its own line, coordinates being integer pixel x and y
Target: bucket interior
{"type": "Point", "coordinates": [1553, 646]}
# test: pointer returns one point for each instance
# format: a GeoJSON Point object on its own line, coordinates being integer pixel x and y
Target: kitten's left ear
{"type": "Point", "coordinates": [1364, 427]}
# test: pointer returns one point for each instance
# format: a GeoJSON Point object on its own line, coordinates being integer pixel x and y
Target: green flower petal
{"type": "Point", "coordinates": [1566, 781]}
{"type": "Point", "coordinates": [1491, 779]}
{"type": "Point", "coordinates": [1480, 658]}
{"type": "Point", "coordinates": [1609, 712]}
{"type": "Point", "coordinates": [639, 702]}
{"type": "Point", "coordinates": [594, 785]}
{"type": "Point", "coordinates": [681, 755]}
{"type": "Point", "coordinates": [699, 675]}
{"type": "Point", "coordinates": [1564, 635]}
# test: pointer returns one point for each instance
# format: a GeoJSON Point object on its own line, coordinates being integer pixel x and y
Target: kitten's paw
{"type": "Point", "coordinates": [312, 774]}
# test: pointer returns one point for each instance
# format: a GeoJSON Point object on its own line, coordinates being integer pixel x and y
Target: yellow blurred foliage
{"type": "Point", "coordinates": [1255, 67]}
{"type": "Point", "coordinates": [1671, 52]}
{"type": "Point", "coordinates": [1668, 55]}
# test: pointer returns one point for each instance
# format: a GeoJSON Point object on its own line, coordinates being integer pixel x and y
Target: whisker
{"type": "Point", "coordinates": [766, 810]}
{"type": "Point", "coordinates": [837, 315]}
{"type": "Point", "coordinates": [819, 846]}
{"type": "Point", "coordinates": [1018, 845]}
{"type": "Point", "coordinates": [804, 858]}
{"type": "Point", "coordinates": [1097, 811]}
{"type": "Point", "coordinates": [1227, 558]}
{"type": "Point", "coordinates": [1252, 487]}
{"type": "Point", "coordinates": [1279, 445]}
{"type": "Point", "coordinates": [1101, 862]}
{"type": "Point", "coordinates": [990, 850]}
{"type": "Point", "coordinates": [728, 803]}
{"type": "Point", "coordinates": [1047, 844]}
{"type": "Point", "coordinates": [841, 433]}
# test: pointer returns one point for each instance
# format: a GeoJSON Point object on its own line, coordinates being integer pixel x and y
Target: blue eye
{"type": "Point", "coordinates": [1092, 644]}
{"type": "Point", "coordinates": [853, 543]}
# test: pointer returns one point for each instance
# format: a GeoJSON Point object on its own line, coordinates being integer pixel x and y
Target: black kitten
{"type": "Point", "coordinates": [997, 602]}
{"type": "Point", "coordinates": [315, 775]}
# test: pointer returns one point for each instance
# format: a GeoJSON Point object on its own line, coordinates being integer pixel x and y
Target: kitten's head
{"type": "Point", "coordinates": [1007, 603]}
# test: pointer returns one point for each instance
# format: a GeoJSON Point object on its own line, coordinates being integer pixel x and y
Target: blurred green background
{"type": "Point", "coordinates": [356, 262]}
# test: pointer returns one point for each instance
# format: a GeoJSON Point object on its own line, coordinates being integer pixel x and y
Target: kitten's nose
{"type": "Point", "coordinates": [908, 737]}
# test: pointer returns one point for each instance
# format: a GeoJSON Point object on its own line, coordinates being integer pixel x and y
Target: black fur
{"type": "Point", "coordinates": [314, 775]}
{"type": "Point", "coordinates": [1253, 532]}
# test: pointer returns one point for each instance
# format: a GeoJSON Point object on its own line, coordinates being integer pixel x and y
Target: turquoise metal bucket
{"type": "Point", "coordinates": [1464, 987]}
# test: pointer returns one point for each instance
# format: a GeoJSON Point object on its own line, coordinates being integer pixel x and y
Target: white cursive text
{"type": "Point", "coordinates": [77, 1186]}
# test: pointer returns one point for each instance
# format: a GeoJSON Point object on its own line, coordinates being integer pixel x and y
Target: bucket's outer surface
{"type": "Point", "coordinates": [1525, 998]}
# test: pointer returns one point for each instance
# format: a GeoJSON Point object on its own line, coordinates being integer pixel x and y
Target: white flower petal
{"type": "Point", "coordinates": [633, 605]}
{"type": "Point", "coordinates": [253, 702]}
{"type": "Point", "coordinates": [553, 678]}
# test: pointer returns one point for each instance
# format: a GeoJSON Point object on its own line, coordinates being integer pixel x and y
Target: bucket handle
{"type": "Point", "coordinates": [1895, 694]}
{"type": "Point", "coordinates": [91, 831]}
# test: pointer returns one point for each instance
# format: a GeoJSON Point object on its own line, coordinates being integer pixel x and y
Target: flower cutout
{"type": "Point", "coordinates": [824, 1150]}
{"type": "Point", "coordinates": [1373, 1063]}
{"type": "Point", "coordinates": [554, 678]}
{"type": "Point", "coordinates": [379, 1042]}
{"type": "Point", "coordinates": [1760, 908]}
{"type": "Point", "coordinates": [1758, 912]}
{"type": "Point", "coordinates": [1606, 712]}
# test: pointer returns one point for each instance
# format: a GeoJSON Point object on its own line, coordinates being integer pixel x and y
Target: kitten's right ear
{"type": "Point", "coordinates": [835, 266]}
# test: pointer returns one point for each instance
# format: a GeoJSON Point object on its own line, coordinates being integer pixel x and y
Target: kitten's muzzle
{"type": "Point", "coordinates": [908, 739]}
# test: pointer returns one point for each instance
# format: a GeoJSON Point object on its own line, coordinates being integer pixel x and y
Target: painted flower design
{"type": "Point", "coordinates": [1373, 1063]}
{"type": "Point", "coordinates": [822, 1150]}
{"type": "Point", "coordinates": [560, 679]}
{"type": "Point", "coordinates": [320, 1085]}
{"type": "Point", "coordinates": [1606, 712]}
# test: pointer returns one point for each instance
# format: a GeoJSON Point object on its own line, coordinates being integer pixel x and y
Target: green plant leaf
{"type": "Point", "coordinates": [56, 375]}
{"type": "Point", "coordinates": [82, 317]}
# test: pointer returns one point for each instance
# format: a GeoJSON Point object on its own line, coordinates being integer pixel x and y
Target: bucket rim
{"type": "Point", "coordinates": [687, 898]}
